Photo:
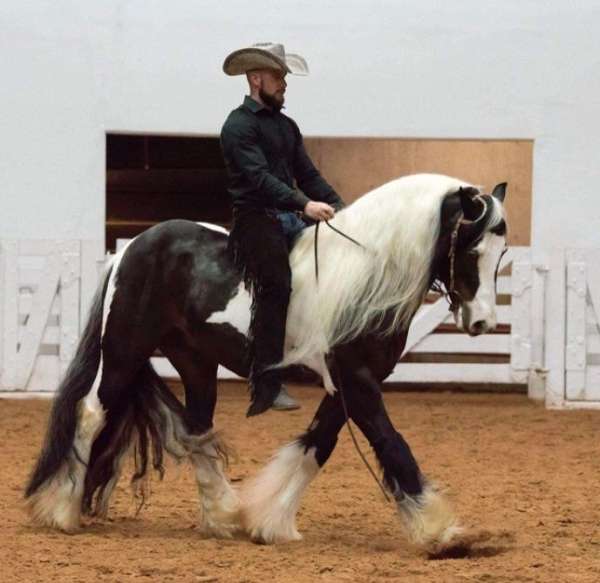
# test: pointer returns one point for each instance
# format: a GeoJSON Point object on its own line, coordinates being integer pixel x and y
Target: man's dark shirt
{"type": "Point", "coordinates": [264, 153]}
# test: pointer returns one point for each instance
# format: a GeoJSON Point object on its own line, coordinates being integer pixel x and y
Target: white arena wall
{"type": "Point", "coordinates": [73, 71]}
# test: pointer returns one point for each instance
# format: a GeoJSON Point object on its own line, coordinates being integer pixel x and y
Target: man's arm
{"type": "Point", "coordinates": [241, 149]}
{"type": "Point", "coordinates": [309, 179]}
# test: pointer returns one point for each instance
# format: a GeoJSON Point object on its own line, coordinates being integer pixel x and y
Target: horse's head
{"type": "Point", "coordinates": [472, 242]}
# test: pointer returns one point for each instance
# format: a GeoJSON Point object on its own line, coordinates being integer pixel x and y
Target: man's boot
{"type": "Point", "coordinates": [264, 390]}
{"type": "Point", "coordinates": [284, 401]}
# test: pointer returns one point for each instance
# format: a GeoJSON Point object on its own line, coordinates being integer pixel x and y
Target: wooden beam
{"type": "Point", "coordinates": [182, 181]}
{"type": "Point", "coordinates": [453, 373]}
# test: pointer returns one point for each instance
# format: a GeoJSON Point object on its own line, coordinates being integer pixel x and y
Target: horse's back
{"type": "Point", "coordinates": [171, 240]}
{"type": "Point", "coordinates": [180, 261]}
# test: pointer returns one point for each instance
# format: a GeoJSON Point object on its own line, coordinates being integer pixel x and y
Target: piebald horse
{"type": "Point", "coordinates": [174, 287]}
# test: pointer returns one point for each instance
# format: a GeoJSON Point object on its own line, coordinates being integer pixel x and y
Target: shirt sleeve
{"type": "Point", "coordinates": [240, 142]}
{"type": "Point", "coordinates": [309, 178]}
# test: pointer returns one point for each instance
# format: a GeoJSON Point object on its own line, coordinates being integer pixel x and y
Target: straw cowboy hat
{"type": "Point", "coordinates": [264, 56]}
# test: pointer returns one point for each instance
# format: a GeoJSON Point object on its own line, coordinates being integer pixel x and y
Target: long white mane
{"type": "Point", "coordinates": [398, 223]}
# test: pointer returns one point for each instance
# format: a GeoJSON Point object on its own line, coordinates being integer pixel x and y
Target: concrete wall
{"type": "Point", "coordinates": [430, 69]}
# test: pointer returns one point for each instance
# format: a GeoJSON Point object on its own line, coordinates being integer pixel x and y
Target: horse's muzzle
{"type": "Point", "coordinates": [478, 327]}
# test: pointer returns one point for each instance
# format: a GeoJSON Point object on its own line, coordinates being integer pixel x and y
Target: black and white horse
{"type": "Point", "coordinates": [174, 288]}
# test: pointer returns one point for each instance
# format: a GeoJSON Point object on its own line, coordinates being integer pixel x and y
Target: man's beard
{"type": "Point", "coordinates": [270, 100]}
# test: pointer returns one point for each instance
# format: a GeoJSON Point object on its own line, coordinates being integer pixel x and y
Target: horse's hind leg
{"type": "Point", "coordinates": [58, 504]}
{"type": "Point", "coordinates": [219, 504]}
{"type": "Point", "coordinates": [271, 500]}
{"type": "Point", "coordinates": [99, 429]}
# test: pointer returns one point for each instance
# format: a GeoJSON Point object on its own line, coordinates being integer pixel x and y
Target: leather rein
{"type": "Point", "coordinates": [341, 233]}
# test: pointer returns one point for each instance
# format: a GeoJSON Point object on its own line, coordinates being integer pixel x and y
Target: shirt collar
{"type": "Point", "coordinates": [253, 105]}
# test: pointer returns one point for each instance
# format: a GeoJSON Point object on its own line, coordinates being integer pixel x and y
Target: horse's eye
{"type": "Point", "coordinates": [473, 253]}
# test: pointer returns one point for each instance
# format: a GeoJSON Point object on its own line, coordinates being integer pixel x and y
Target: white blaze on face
{"type": "Point", "coordinates": [479, 315]}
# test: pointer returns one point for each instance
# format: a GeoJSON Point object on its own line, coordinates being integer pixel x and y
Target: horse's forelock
{"type": "Point", "coordinates": [491, 221]}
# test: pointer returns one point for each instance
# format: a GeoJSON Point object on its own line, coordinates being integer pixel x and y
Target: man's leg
{"type": "Point", "coordinates": [271, 298]}
{"type": "Point", "coordinates": [263, 247]}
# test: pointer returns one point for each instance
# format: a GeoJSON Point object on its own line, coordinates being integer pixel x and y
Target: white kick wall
{"type": "Point", "coordinates": [72, 70]}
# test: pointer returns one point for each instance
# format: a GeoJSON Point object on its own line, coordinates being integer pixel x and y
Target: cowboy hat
{"type": "Point", "coordinates": [264, 56]}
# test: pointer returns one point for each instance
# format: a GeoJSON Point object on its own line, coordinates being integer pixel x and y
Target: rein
{"type": "Point", "coordinates": [452, 296]}
{"type": "Point", "coordinates": [317, 244]}
{"type": "Point", "coordinates": [339, 382]}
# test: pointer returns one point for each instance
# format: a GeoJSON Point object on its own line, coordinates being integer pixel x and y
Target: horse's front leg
{"type": "Point", "coordinates": [271, 500]}
{"type": "Point", "coordinates": [425, 514]}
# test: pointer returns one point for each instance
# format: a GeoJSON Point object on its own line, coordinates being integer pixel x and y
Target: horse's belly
{"type": "Point", "coordinates": [237, 313]}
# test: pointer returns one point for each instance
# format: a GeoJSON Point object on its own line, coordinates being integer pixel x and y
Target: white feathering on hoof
{"type": "Point", "coordinates": [270, 501]}
{"type": "Point", "coordinates": [56, 504]}
{"type": "Point", "coordinates": [219, 503]}
{"type": "Point", "coordinates": [428, 520]}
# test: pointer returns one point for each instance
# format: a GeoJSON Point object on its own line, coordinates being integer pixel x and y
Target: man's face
{"type": "Point", "coordinates": [272, 87]}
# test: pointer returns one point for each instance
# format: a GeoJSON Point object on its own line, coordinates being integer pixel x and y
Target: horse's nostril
{"type": "Point", "coordinates": [478, 327]}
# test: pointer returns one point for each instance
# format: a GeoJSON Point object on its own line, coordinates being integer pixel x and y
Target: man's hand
{"type": "Point", "coordinates": [319, 211]}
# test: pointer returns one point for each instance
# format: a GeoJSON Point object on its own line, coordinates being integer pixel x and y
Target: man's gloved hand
{"type": "Point", "coordinates": [319, 211]}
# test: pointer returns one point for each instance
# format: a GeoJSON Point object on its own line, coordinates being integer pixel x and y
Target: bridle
{"type": "Point", "coordinates": [450, 292]}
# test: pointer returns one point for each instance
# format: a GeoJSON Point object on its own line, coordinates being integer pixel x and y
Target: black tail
{"type": "Point", "coordinates": [76, 384]}
{"type": "Point", "coordinates": [147, 414]}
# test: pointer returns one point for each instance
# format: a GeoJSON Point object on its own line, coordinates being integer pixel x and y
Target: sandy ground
{"type": "Point", "coordinates": [529, 477]}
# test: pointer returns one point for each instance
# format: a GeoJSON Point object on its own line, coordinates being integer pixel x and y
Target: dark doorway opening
{"type": "Point", "coordinates": [150, 179]}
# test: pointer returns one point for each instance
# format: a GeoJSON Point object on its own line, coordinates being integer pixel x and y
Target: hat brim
{"type": "Point", "coordinates": [243, 60]}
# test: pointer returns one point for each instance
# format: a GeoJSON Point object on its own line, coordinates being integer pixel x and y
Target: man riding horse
{"type": "Point", "coordinates": [178, 286]}
{"type": "Point", "coordinates": [264, 154]}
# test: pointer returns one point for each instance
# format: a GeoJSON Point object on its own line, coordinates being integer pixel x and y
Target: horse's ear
{"type": "Point", "coordinates": [499, 191]}
{"type": "Point", "coordinates": [471, 206]}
